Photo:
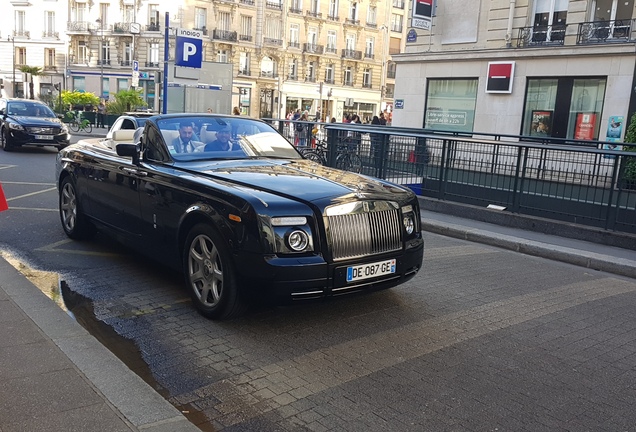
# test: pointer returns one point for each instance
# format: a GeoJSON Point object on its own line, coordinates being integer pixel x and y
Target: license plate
{"type": "Point", "coordinates": [366, 271]}
{"type": "Point", "coordinates": [44, 137]}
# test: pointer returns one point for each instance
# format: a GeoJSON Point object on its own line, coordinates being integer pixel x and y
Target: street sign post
{"type": "Point", "coordinates": [189, 48]}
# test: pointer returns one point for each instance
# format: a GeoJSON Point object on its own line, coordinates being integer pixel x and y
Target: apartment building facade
{"type": "Point", "coordinates": [546, 68]}
{"type": "Point", "coordinates": [283, 51]}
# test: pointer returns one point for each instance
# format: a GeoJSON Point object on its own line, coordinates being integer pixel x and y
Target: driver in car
{"type": "Point", "coordinates": [222, 141]}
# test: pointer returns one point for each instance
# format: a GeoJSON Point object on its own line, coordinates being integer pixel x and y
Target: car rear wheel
{"type": "Point", "coordinates": [4, 140]}
{"type": "Point", "coordinates": [210, 275]}
{"type": "Point", "coordinates": [75, 224]}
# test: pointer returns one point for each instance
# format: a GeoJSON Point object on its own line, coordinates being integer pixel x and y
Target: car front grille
{"type": "Point", "coordinates": [363, 228]}
{"type": "Point", "coordinates": [43, 130]}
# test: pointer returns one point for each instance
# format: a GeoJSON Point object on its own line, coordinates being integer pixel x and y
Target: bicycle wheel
{"type": "Point", "coordinates": [74, 127]}
{"type": "Point", "coordinates": [349, 162]}
{"type": "Point", "coordinates": [88, 128]}
{"type": "Point", "coordinates": [313, 156]}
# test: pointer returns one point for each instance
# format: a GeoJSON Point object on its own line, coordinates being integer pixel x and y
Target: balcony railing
{"type": "Point", "coordinates": [347, 83]}
{"type": "Point", "coordinates": [225, 35]}
{"type": "Point", "coordinates": [121, 27]}
{"type": "Point", "coordinates": [152, 64]}
{"type": "Point", "coordinates": [265, 74]}
{"type": "Point", "coordinates": [294, 44]}
{"type": "Point", "coordinates": [331, 50]}
{"type": "Point", "coordinates": [333, 17]}
{"type": "Point", "coordinates": [292, 77]}
{"type": "Point", "coordinates": [372, 25]}
{"type": "Point", "coordinates": [247, 38]}
{"type": "Point", "coordinates": [203, 30]}
{"type": "Point", "coordinates": [366, 85]}
{"type": "Point", "coordinates": [244, 72]}
{"type": "Point", "coordinates": [616, 31]}
{"type": "Point", "coordinates": [125, 63]}
{"type": "Point", "coordinates": [352, 21]}
{"type": "Point", "coordinates": [313, 48]}
{"type": "Point", "coordinates": [310, 79]}
{"type": "Point", "coordinates": [295, 10]}
{"type": "Point", "coordinates": [105, 62]}
{"type": "Point", "coordinates": [77, 26]}
{"type": "Point", "coordinates": [272, 41]}
{"type": "Point", "coordinates": [247, 2]}
{"type": "Point", "coordinates": [329, 81]}
{"type": "Point", "coordinates": [274, 5]}
{"type": "Point", "coordinates": [313, 14]}
{"type": "Point", "coordinates": [398, 4]}
{"type": "Point", "coordinates": [153, 28]}
{"type": "Point", "coordinates": [22, 34]}
{"type": "Point", "coordinates": [50, 34]}
{"type": "Point", "coordinates": [352, 54]}
{"type": "Point", "coordinates": [368, 54]}
{"type": "Point", "coordinates": [390, 73]}
{"type": "Point", "coordinates": [50, 67]}
{"type": "Point", "coordinates": [541, 35]}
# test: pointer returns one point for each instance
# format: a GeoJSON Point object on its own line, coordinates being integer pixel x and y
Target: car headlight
{"type": "Point", "coordinates": [15, 126]}
{"type": "Point", "coordinates": [292, 234]}
{"type": "Point", "coordinates": [64, 128]}
{"type": "Point", "coordinates": [408, 219]}
{"type": "Point", "coordinates": [297, 240]}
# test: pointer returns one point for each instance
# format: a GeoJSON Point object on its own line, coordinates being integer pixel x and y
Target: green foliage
{"type": "Point", "coordinates": [629, 169]}
{"type": "Point", "coordinates": [125, 100]}
{"type": "Point", "coordinates": [33, 70]}
{"type": "Point", "coordinates": [73, 98]}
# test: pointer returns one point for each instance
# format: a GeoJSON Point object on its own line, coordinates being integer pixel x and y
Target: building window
{"type": "Point", "coordinates": [366, 78]}
{"type": "Point", "coordinates": [105, 54]}
{"type": "Point", "coordinates": [312, 36]}
{"type": "Point", "coordinates": [49, 58]}
{"type": "Point", "coordinates": [49, 24]}
{"type": "Point", "coordinates": [450, 104]}
{"type": "Point", "coordinates": [103, 13]}
{"type": "Point", "coordinates": [153, 17]}
{"type": "Point", "coordinates": [396, 23]}
{"type": "Point", "coordinates": [224, 21]}
{"type": "Point", "coordinates": [79, 83]}
{"type": "Point", "coordinates": [329, 75]}
{"type": "Point", "coordinates": [153, 53]}
{"type": "Point", "coordinates": [311, 72]}
{"type": "Point", "coordinates": [129, 13]}
{"type": "Point", "coordinates": [244, 63]}
{"type": "Point", "coordinates": [221, 56]}
{"type": "Point", "coordinates": [579, 118]}
{"type": "Point", "coordinates": [294, 35]}
{"type": "Point", "coordinates": [293, 69]}
{"type": "Point", "coordinates": [122, 84]}
{"type": "Point", "coordinates": [20, 56]}
{"type": "Point", "coordinates": [549, 14]}
{"type": "Point", "coordinates": [333, 8]}
{"type": "Point", "coordinates": [369, 47]}
{"type": "Point", "coordinates": [353, 11]}
{"type": "Point", "coordinates": [272, 29]}
{"type": "Point", "coordinates": [78, 12]}
{"type": "Point", "coordinates": [200, 17]}
{"type": "Point", "coordinates": [127, 54]}
{"type": "Point", "coordinates": [315, 6]}
{"type": "Point", "coordinates": [348, 76]}
{"type": "Point", "coordinates": [82, 52]}
{"type": "Point", "coordinates": [372, 15]}
{"type": "Point", "coordinates": [297, 5]}
{"type": "Point", "coordinates": [246, 28]}
{"type": "Point", "coordinates": [331, 40]}
{"type": "Point", "coordinates": [106, 87]}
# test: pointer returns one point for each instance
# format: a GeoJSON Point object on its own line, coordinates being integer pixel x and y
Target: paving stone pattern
{"type": "Point", "coordinates": [482, 339]}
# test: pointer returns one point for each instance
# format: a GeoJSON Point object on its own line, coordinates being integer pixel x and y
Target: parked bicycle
{"type": "Point", "coordinates": [77, 123]}
{"type": "Point", "coordinates": [347, 158]}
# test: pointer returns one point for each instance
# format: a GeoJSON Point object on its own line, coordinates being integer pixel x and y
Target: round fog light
{"type": "Point", "coordinates": [409, 226]}
{"type": "Point", "coordinates": [297, 240]}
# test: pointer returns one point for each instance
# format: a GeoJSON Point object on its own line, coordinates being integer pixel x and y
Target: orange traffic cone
{"type": "Point", "coordinates": [3, 201]}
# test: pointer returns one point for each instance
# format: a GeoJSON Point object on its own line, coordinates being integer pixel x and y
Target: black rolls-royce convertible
{"type": "Point", "coordinates": [233, 205]}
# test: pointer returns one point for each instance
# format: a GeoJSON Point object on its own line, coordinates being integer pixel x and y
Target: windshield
{"type": "Point", "coordinates": [29, 109]}
{"type": "Point", "coordinates": [217, 137]}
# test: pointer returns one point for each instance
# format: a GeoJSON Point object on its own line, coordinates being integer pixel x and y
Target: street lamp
{"type": "Point", "coordinates": [12, 39]}
{"type": "Point", "coordinates": [101, 58]}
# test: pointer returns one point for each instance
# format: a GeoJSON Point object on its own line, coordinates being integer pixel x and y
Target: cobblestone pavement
{"type": "Point", "coordinates": [482, 339]}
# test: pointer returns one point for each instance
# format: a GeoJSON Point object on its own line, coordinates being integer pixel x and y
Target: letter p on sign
{"type": "Point", "coordinates": [188, 49]}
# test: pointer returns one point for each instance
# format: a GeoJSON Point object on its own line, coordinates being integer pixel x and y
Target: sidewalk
{"type": "Point", "coordinates": [55, 376]}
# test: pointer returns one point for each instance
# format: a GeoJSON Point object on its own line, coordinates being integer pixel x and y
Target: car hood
{"type": "Point", "coordinates": [37, 121]}
{"type": "Point", "coordinates": [303, 178]}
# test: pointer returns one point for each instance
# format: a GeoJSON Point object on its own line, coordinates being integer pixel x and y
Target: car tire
{"type": "Point", "coordinates": [4, 140]}
{"type": "Point", "coordinates": [74, 222]}
{"type": "Point", "coordinates": [210, 275]}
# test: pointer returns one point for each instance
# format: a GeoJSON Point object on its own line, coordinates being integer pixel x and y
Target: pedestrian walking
{"type": "Point", "coordinates": [101, 111]}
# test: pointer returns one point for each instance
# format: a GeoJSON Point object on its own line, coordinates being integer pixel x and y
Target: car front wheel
{"type": "Point", "coordinates": [4, 140]}
{"type": "Point", "coordinates": [209, 274]}
{"type": "Point", "coordinates": [75, 224]}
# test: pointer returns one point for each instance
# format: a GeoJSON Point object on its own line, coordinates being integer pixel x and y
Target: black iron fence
{"type": "Point", "coordinates": [584, 182]}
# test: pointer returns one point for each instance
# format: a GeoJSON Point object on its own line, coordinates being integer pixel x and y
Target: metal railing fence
{"type": "Point", "coordinates": [579, 182]}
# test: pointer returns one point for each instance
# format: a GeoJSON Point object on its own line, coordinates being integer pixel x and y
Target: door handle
{"type": "Point", "coordinates": [135, 172]}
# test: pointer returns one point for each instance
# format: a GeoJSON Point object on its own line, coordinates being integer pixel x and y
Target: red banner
{"type": "Point", "coordinates": [3, 201]}
{"type": "Point", "coordinates": [585, 124]}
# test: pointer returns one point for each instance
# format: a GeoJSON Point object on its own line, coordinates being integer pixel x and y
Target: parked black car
{"type": "Point", "coordinates": [256, 218]}
{"type": "Point", "coordinates": [25, 121]}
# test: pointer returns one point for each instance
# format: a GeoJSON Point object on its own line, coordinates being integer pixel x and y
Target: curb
{"type": "Point", "coordinates": [594, 261]}
{"type": "Point", "coordinates": [124, 390]}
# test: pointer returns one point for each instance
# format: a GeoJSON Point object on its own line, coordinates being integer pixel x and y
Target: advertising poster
{"type": "Point", "coordinates": [614, 132]}
{"type": "Point", "coordinates": [541, 123]}
{"type": "Point", "coordinates": [585, 124]}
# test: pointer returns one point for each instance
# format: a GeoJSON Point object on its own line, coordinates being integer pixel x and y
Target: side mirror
{"type": "Point", "coordinates": [129, 150]}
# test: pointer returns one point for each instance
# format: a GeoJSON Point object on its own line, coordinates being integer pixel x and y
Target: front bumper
{"type": "Point", "coordinates": [313, 278]}
{"type": "Point", "coordinates": [23, 137]}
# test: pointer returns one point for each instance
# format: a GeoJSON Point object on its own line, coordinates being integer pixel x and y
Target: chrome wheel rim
{"type": "Point", "coordinates": [205, 271]}
{"type": "Point", "coordinates": [68, 207]}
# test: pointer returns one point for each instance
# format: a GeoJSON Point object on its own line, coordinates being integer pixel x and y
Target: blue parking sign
{"type": "Point", "coordinates": [189, 48]}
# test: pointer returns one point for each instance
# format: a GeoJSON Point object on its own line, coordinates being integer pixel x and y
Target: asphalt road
{"type": "Point", "coordinates": [481, 339]}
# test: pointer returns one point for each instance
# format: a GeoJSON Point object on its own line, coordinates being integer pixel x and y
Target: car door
{"type": "Point", "coordinates": [112, 184]}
